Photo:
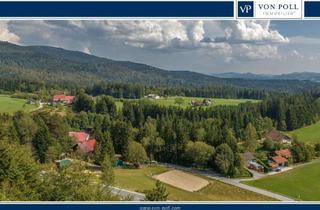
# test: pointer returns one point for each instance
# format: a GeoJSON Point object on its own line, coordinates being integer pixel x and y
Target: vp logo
{"type": "Point", "coordinates": [245, 9]}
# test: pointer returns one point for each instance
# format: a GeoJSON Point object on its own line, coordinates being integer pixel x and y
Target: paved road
{"type": "Point", "coordinates": [235, 182]}
{"type": "Point", "coordinates": [126, 194]}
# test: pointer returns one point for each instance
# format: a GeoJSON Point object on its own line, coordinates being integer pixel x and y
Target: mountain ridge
{"type": "Point", "coordinates": [58, 65]}
{"type": "Point", "coordinates": [310, 76]}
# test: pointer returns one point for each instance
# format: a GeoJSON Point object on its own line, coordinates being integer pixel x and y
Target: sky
{"type": "Point", "coordinates": [206, 46]}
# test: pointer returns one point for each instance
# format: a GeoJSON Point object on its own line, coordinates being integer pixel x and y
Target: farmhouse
{"type": "Point", "coordinates": [62, 99]}
{"type": "Point", "coordinates": [83, 141]}
{"type": "Point", "coordinates": [152, 96]}
{"type": "Point", "coordinates": [279, 158]}
{"type": "Point", "coordinates": [277, 136]}
{"type": "Point", "coordinates": [285, 153]}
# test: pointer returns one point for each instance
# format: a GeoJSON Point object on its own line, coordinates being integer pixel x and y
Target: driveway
{"type": "Point", "coordinates": [127, 194]}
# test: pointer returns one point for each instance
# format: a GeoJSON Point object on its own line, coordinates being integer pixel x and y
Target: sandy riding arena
{"type": "Point", "coordinates": [182, 180]}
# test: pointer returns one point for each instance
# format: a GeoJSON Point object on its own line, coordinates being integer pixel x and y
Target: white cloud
{"type": "Point", "coordinates": [257, 52]}
{"type": "Point", "coordinates": [150, 34]}
{"type": "Point", "coordinates": [256, 39]}
{"type": "Point", "coordinates": [224, 40]}
{"type": "Point", "coordinates": [5, 34]}
{"type": "Point", "coordinates": [258, 31]}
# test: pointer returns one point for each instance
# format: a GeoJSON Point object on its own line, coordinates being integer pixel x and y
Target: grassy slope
{"type": "Point", "coordinates": [140, 180]}
{"type": "Point", "coordinates": [11, 105]}
{"type": "Point", "coordinates": [301, 183]}
{"type": "Point", "coordinates": [310, 134]}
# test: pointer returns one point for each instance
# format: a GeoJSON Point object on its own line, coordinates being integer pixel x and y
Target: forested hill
{"type": "Point", "coordinates": [56, 65]}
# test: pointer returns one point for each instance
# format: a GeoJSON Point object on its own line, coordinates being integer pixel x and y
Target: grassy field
{"type": "Point", "coordinates": [141, 179]}
{"type": "Point", "coordinates": [310, 134]}
{"type": "Point", "coordinates": [170, 101]}
{"type": "Point", "coordinates": [11, 105]}
{"type": "Point", "coordinates": [302, 183]}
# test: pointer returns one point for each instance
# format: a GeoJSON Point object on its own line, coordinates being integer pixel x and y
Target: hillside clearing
{"type": "Point", "coordinates": [301, 183]}
{"type": "Point", "coordinates": [170, 101]}
{"type": "Point", "coordinates": [140, 180]}
{"type": "Point", "coordinates": [11, 105]}
{"type": "Point", "coordinates": [309, 134]}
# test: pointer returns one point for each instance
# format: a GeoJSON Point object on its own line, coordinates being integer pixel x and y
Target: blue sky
{"type": "Point", "coordinates": [207, 46]}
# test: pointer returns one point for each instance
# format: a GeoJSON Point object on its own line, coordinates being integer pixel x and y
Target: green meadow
{"type": "Point", "coordinates": [309, 134]}
{"type": "Point", "coordinates": [301, 183]}
{"type": "Point", "coordinates": [11, 105]}
{"type": "Point", "coordinates": [171, 101]}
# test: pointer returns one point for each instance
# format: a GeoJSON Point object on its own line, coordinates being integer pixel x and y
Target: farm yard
{"type": "Point", "coordinates": [142, 179]}
{"type": "Point", "coordinates": [308, 134]}
{"type": "Point", "coordinates": [301, 183]}
{"type": "Point", "coordinates": [11, 105]}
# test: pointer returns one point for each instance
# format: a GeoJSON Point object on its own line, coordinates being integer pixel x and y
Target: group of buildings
{"type": "Point", "coordinates": [277, 159]}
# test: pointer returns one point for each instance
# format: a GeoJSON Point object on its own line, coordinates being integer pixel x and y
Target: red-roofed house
{"type": "Point", "coordinates": [279, 160]}
{"type": "Point", "coordinates": [279, 137]}
{"type": "Point", "coordinates": [80, 136]}
{"type": "Point", "coordinates": [83, 141]}
{"type": "Point", "coordinates": [285, 153]}
{"type": "Point", "coordinates": [87, 146]}
{"type": "Point", "coordinates": [63, 99]}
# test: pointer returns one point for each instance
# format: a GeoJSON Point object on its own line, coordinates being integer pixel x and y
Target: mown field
{"type": "Point", "coordinates": [310, 134]}
{"type": "Point", "coordinates": [170, 101]}
{"type": "Point", "coordinates": [141, 179]}
{"type": "Point", "coordinates": [11, 105]}
{"type": "Point", "coordinates": [302, 183]}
